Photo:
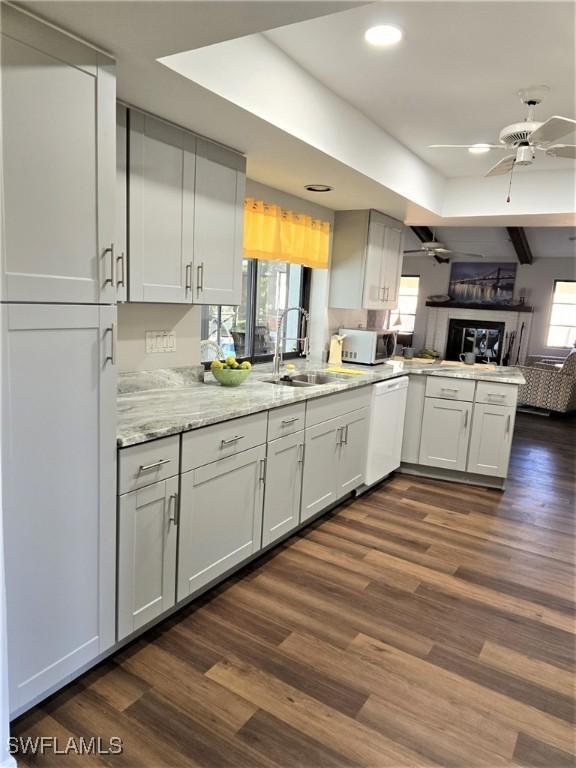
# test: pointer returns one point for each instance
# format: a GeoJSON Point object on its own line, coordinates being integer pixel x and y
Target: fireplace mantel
{"type": "Point", "coordinates": [483, 307]}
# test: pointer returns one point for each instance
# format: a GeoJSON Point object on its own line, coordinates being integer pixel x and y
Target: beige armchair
{"type": "Point", "coordinates": [550, 383]}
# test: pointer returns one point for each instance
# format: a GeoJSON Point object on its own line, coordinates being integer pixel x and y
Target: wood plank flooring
{"type": "Point", "coordinates": [424, 624]}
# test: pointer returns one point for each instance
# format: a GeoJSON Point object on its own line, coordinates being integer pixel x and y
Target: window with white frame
{"type": "Point", "coordinates": [407, 302]}
{"type": "Point", "coordinates": [562, 327]}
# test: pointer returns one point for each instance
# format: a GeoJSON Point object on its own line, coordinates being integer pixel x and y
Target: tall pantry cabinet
{"type": "Point", "coordinates": [59, 286]}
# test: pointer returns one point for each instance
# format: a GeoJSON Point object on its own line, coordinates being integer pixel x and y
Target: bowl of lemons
{"type": "Point", "coordinates": [229, 372]}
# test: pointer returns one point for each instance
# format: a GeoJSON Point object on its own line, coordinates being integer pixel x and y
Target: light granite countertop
{"type": "Point", "coordinates": [154, 404]}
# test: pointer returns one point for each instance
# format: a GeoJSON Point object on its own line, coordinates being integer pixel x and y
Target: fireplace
{"type": "Point", "coordinates": [483, 337]}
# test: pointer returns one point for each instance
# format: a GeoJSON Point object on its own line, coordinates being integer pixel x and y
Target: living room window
{"type": "Point", "coordinates": [407, 302]}
{"type": "Point", "coordinates": [248, 331]}
{"type": "Point", "coordinates": [562, 327]}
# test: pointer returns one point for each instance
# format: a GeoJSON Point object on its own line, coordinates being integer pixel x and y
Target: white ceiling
{"type": "Point", "coordinates": [494, 242]}
{"type": "Point", "coordinates": [453, 79]}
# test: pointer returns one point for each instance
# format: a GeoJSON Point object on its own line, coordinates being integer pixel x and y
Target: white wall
{"type": "Point", "coordinates": [537, 280]}
{"type": "Point", "coordinates": [135, 319]}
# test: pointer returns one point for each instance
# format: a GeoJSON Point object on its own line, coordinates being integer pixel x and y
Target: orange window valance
{"type": "Point", "coordinates": [274, 234]}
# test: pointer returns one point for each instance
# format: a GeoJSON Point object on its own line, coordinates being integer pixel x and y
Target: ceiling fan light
{"type": "Point", "coordinates": [479, 149]}
{"type": "Point", "coordinates": [383, 35]}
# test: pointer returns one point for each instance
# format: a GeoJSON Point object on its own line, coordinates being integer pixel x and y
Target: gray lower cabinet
{"type": "Point", "coordinates": [334, 460]}
{"type": "Point", "coordinates": [58, 105]}
{"type": "Point", "coordinates": [147, 535]}
{"type": "Point", "coordinates": [59, 480]}
{"type": "Point", "coordinates": [220, 518]}
{"type": "Point", "coordinates": [491, 439]}
{"type": "Point", "coordinates": [445, 433]}
{"type": "Point", "coordinates": [284, 464]}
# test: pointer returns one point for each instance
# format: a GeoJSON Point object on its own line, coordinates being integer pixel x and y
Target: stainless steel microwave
{"type": "Point", "coordinates": [367, 347]}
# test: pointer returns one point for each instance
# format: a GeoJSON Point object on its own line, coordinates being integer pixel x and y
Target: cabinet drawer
{"type": "Point", "coordinates": [286, 420]}
{"type": "Point", "coordinates": [148, 463]}
{"type": "Point", "coordinates": [331, 406]}
{"type": "Point", "coordinates": [450, 389]}
{"type": "Point", "coordinates": [203, 446]}
{"type": "Point", "coordinates": [496, 394]}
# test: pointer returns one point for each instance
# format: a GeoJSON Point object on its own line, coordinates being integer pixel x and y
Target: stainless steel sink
{"type": "Point", "coordinates": [310, 379]}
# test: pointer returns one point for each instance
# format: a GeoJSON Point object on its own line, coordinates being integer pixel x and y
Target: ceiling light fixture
{"type": "Point", "coordinates": [383, 35]}
{"type": "Point", "coordinates": [479, 149]}
{"type": "Point", "coordinates": [318, 188]}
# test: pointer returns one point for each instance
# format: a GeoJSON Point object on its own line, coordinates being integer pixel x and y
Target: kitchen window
{"type": "Point", "coordinates": [248, 331]}
{"type": "Point", "coordinates": [407, 302]}
{"type": "Point", "coordinates": [562, 327]}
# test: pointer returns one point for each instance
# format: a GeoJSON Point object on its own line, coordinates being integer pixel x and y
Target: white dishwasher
{"type": "Point", "coordinates": [387, 409]}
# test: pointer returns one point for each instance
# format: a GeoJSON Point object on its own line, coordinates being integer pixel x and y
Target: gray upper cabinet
{"type": "Point", "coordinates": [218, 224]}
{"type": "Point", "coordinates": [366, 260]}
{"type": "Point", "coordinates": [162, 171]}
{"type": "Point", "coordinates": [59, 500]}
{"type": "Point", "coordinates": [58, 148]}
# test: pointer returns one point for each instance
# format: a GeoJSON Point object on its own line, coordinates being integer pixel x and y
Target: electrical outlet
{"type": "Point", "coordinates": [160, 341]}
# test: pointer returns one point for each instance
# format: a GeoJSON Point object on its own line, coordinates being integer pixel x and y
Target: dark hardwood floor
{"type": "Point", "coordinates": [424, 624]}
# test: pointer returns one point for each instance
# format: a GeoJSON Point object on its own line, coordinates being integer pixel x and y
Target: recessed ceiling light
{"type": "Point", "coordinates": [479, 149]}
{"type": "Point", "coordinates": [318, 188]}
{"type": "Point", "coordinates": [383, 35]}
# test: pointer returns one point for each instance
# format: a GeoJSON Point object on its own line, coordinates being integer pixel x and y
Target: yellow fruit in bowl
{"type": "Point", "coordinates": [216, 364]}
{"type": "Point", "coordinates": [231, 362]}
{"type": "Point", "coordinates": [246, 365]}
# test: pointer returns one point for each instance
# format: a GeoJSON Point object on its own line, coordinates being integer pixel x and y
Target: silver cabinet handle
{"type": "Point", "coordinates": [300, 453]}
{"type": "Point", "coordinates": [345, 434]}
{"type": "Point", "coordinates": [508, 421]}
{"type": "Point", "coordinates": [200, 277]}
{"type": "Point", "coordinates": [112, 356]}
{"type": "Point", "coordinates": [231, 440]}
{"type": "Point", "coordinates": [291, 421]}
{"type": "Point", "coordinates": [262, 476]}
{"type": "Point", "coordinates": [147, 467]}
{"type": "Point", "coordinates": [112, 278]}
{"type": "Point", "coordinates": [122, 261]}
{"type": "Point", "coordinates": [173, 509]}
{"type": "Point", "coordinates": [495, 394]}
{"type": "Point", "coordinates": [381, 293]}
{"type": "Point", "coordinates": [449, 389]}
{"type": "Point", "coordinates": [188, 286]}
{"type": "Point", "coordinates": [465, 419]}
{"type": "Point", "coordinates": [340, 436]}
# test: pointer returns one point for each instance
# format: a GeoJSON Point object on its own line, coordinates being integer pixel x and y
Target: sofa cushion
{"type": "Point", "coordinates": [569, 365]}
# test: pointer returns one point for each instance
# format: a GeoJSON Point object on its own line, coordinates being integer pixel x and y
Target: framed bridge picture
{"type": "Point", "coordinates": [482, 282]}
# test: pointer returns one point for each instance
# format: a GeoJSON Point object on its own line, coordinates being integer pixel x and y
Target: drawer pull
{"type": "Point", "coordinates": [291, 421]}
{"type": "Point", "coordinates": [495, 394]}
{"type": "Point", "coordinates": [449, 389]}
{"type": "Point", "coordinates": [231, 440]}
{"type": "Point", "coordinates": [146, 467]}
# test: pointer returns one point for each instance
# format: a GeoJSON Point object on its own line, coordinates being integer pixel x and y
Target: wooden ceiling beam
{"type": "Point", "coordinates": [424, 234]}
{"type": "Point", "coordinates": [521, 245]}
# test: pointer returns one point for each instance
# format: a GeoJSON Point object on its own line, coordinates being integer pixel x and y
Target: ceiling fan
{"type": "Point", "coordinates": [524, 139]}
{"type": "Point", "coordinates": [442, 254]}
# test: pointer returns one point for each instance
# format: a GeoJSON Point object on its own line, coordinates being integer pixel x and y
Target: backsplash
{"type": "Point", "coordinates": [181, 322]}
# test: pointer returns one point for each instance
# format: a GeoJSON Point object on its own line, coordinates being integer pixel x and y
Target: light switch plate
{"type": "Point", "coordinates": [160, 341]}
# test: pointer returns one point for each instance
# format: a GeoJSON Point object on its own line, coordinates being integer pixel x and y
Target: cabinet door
{"type": "Point", "coordinates": [220, 518]}
{"type": "Point", "coordinates": [391, 265]}
{"type": "Point", "coordinates": [218, 225]}
{"type": "Point", "coordinates": [121, 239]}
{"type": "Point", "coordinates": [59, 450]}
{"type": "Point", "coordinates": [445, 433]}
{"type": "Point", "coordinates": [58, 146]}
{"type": "Point", "coordinates": [353, 443]}
{"type": "Point", "coordinates": [147, 521]}
{"type": "Point", "coordinates": [162, 159]}
{"type": "Point", "coordinates": [413, 419]}
{"type": "Point", "coordinates": [491, 439]}
{"type": "Point", "coordinates": [283, 486]}
{"type": "Point", "coordinates": [321, 459]}
{"type": "Point", "coordinates": [373, 295]}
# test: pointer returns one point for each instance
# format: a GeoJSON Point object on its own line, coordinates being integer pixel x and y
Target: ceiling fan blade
{"type": "Point", "coordinates": [465, 146]}
{"type": "Point", "coordinates": [502, 166]}
{"type": "Point", "coordinates": [415, 250]}
{"type": "Point", "coordinates": [562, 150]}
{"type": "Point", "coordinates": [552, 130]}
{"type": "Point", "coordinates": [441, 249]}
{"type": "Point", "coordinates": [441, 259]}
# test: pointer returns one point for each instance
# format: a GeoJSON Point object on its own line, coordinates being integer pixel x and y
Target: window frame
{"type": "Point", "coordinates": [408, 314]}
{"type": "Point", "coordinates": [304, 299]}
{"type": "Point", "coordinates": [551, 310]}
